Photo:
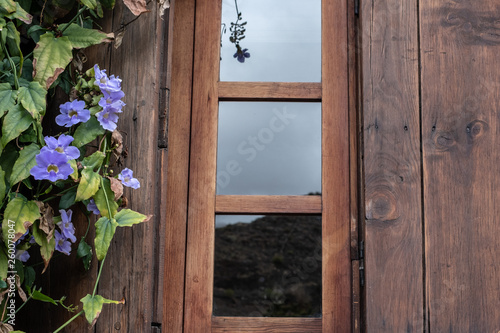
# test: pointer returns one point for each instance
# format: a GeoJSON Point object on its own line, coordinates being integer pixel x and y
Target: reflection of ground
{"type": "Point", "coordinates": [270, 267]}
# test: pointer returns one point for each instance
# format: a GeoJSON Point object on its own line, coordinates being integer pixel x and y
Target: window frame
{"type": "Point", "coordinates": [191, 195]}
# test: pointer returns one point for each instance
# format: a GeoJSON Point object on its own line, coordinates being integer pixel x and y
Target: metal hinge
{"type": "Point", "coordinates": [356, 7]}
{"type": "Point", "coordinates": [362, 263]}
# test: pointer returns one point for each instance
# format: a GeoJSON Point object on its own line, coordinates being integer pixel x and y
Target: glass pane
{"type": "Point", "coordinates": [267, 266]}
{"type": "Point", "coordinates": [269, 148]}
{"type": "Point", "coordinates": [282, 39]}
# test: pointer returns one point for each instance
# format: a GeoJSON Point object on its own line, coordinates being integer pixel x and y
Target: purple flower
{"type": "Point", "coordinates": [100, 75]}
{"type": "Point", "coordinates": [92, 207]}
{"type": "Point", "coordinates": [109, 84]}
{"type": "Point", "coordinates": [22, 255]}
{"type": "Point", "coordinates": [61, 145]}
{"type": "Point", "coordinates": [113, 84]}
{"type": "Point", "coordinates": [66, 226]}
{"type": "Point", "coordinates": [51, 165]}
{"type": "Point", "coordinates": [108, 117]}
{"type": "Point", "coordinates": [72, 113]}
{"type": "Point", "coordinates": [241, 54]}
{"type": "Point", "coordinates": [112, 101]}
{"type": "Point", "coordinates": [126, 176]}
{"type": "Point", "coordinates": [62, 244]}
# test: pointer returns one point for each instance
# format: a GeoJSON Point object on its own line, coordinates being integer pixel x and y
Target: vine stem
{"type": "Point", "coordinates": [74, 18]}
{"type": "Point", "coordinates": [69, 321]}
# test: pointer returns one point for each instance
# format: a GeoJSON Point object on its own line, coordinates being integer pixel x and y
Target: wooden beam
{"type": "Point", "coordinates": [266, 325]}
{"type": "Point", "coordinates": [202, 175]}
{"type": "Point", "coordinates": [392, 166]}
{"type": "Point", "coordinates": [460, 42]}
{"type": "Point", "coordinates": [175, 183]}
{"type": "Point", "coordinates": [336, 265]}
{"type": "Point", "coordinates": [270, 91]}
{"type": "Point", "coordinates": [268, 204]}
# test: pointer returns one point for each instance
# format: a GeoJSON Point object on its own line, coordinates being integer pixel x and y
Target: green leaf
{"type": "Point", "coordinates": [89, 185]}
{"type": "Point", "coordinates": [37, 295]}
{"type": "Point", "coordinates": [82, 38]}
{"type": "Point", "coordinates": [14, 44]}
{"type": "Point", "coordinates": [4, 261]}
{"type": "Point", "coordinates": [104, 199]}
{"type": "Point", "coordinates": [29, 276]}
{"type": "Point", "coordinates": [92, 305]}
{"type": "Point", "coordinates": [46, 246]}
{"type": "Point", "coordinates": [24, 163]}
{"type": "Point", "coordinates": [8, 5]}
{"type": "Point", "coordinates": [3, 186]}
{"type": "Point", "coordinates": [15, 122]}
{"type": "Point", "coordinates": [127, 218]}
{"type": "Point", "coordinates": [89, 3]}
{"type": "Point", "coordinates": [20, 14]}
{"type": "Point", "coordinates": [87, 132]}
{"type": "Point", "coordinates": [33, 99]}
{"type": "Point", "coordinates": [51, 56]}
{"type": "Point", "coordinates": [8, 159]}
{"type": "Point", "coordinates": [19, 215]}
{"type": "Point", "coordinates": [84, 251]}
{"type": "Point", "coordinates": [93, 161]}
{"type": "Point", "coordinates": [74, 166]}
{"type": "Point", "coordinates": [108, 4]}
{"type": "Point", "coordinates": [67, 199]}
{"type": "Point", "coordinates": [104, 232]}
{"type": "Point", "coordinates": [7, 98]}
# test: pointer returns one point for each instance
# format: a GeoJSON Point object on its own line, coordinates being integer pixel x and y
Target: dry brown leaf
{"type": "Point", "coordinates": [51, 79]}
{"type": "Point", "coordinates": [20, 290]}
{"type": "Point", "coordinates": [5, 328]}
{"type": "Point", "coordinates": [119, 39]}
{"type": "Point", "coordinates": [116, 187]}
{"type": "Point", "coordinates": [117, 141]}
{"type": "Point", "coordinates": [47, 219]}
{"type": "Point", "coordinates": [137, 7]}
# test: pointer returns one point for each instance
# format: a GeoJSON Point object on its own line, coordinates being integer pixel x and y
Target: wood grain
{"type": "Point", "coordinates": [392, 168]}
{"type": "Point", "coordinates": [201, 231]}
{"type": "Point", "coordinates": [460, 130]}
{"type": "Point", "coordinates": [266, 325]}
{"type": "Point", "coordinates": [174, 183]}
{"type": "Point", "coordinates": [251, 91]}
{"type": "Point", "coordinates": [131, 268]}
{"type": "Point", "coordinates": [267, 204]}
{"type": "Point", "coordinates": [336, 236]}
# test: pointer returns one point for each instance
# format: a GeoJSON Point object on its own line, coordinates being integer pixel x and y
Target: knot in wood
{"type": "Point", "coordinates": [444, 141]}
{"type": "Point", "coordinates": [476, 129]}
{"type": "Point", "coordinates": [382, 206]}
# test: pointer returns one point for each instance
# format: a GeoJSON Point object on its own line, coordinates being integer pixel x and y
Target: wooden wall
{"type": "Point", "coordinates": [431, 80]}
{"type": "Point", "coordinates": [133, 268]}
{"type": "Point", "coordinates": [429, 102]}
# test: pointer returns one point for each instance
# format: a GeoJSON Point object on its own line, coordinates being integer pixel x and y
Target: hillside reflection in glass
{"type": "Point", "coordinates": [268, 266]}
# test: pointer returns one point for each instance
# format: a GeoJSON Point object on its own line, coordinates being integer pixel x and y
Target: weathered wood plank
{"type": "Point", "coordinates": [460, 129]}
{"type": "Point", "coordinates": [266, 325]}
{"type": "Point", "coordinates": [201, 231]}
{"type": "Point", "coordinates": [392, 168]}
{"type": "Point", "coordinates": [132, 260]}
{"type": "Point", "coordinates": [244, 91]}
{"type": "Point", "coordinates": [336, 240]}
{"type": "Point", "coordinates": [175, 193]}
{"type": "Point", "coordinates": [268, 204]}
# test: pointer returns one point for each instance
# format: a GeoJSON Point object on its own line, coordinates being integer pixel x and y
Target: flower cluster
{"type": "Point", "coordinates": [66, 235]}
{"type": "Point", "coordinates": [111, 102]}
{"type": "Point", "coordinates": [53, 160]}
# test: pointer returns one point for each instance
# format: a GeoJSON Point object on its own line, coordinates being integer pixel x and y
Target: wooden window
{"type": "Point", "coordinates": [200, 196]}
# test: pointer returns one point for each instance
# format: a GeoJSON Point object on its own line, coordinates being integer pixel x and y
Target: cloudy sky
{"type": "Point", "coordinates": [263, 147]}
